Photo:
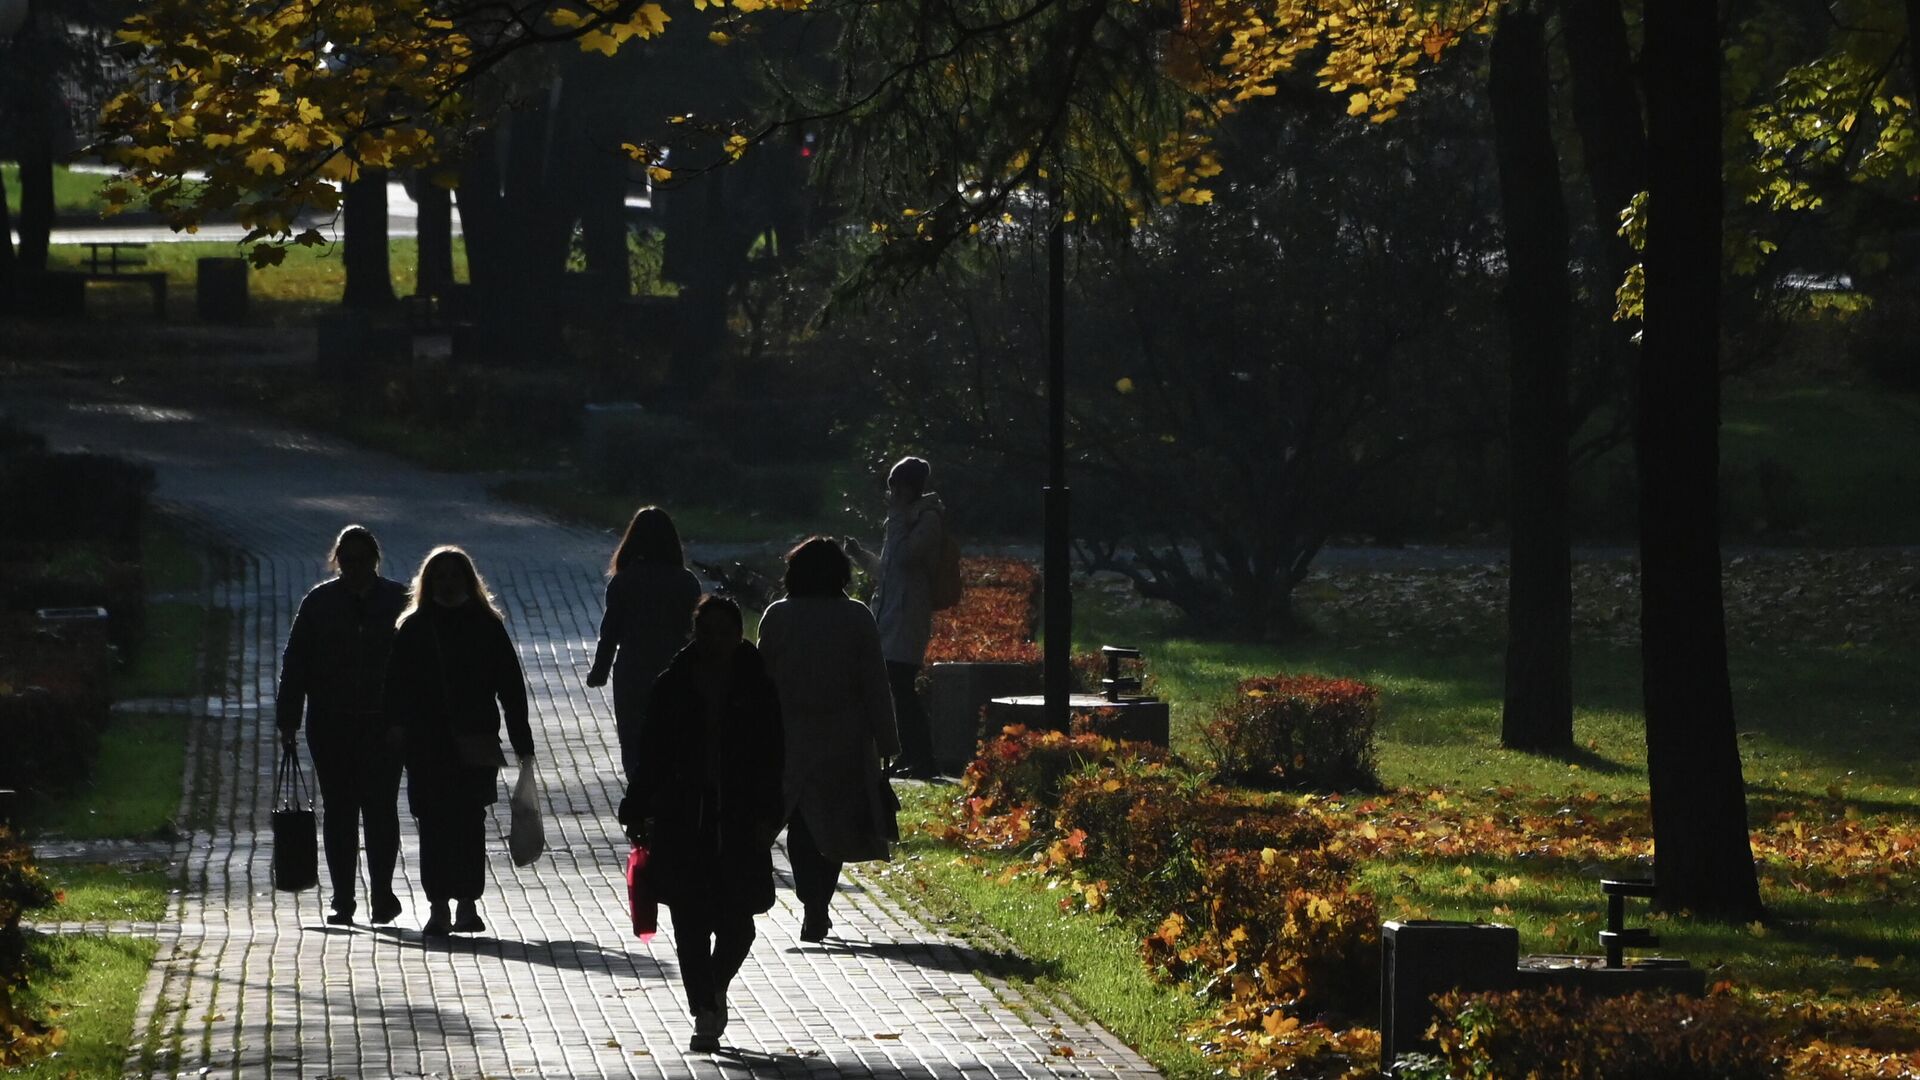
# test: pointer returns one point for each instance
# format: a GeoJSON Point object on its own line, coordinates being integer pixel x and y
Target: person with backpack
{"type": "Point", "coordinates": [917, 571]}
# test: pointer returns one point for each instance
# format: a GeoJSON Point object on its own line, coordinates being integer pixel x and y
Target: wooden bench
{"type": "Point", "coordinates": [120, 261]}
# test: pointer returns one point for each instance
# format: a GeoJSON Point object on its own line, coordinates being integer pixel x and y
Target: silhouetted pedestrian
{"type": "Point", "coordinates": [903, 602]}
{"type": "Point", "coordinates": [333, 673]}
{"type": "Point", "coordinates": [453, 674]}
{"type": "Point", "coordinates": [823, 652]}
{"type": "Point", "coordinates": [650, 599]}
{"type": "Point", "coordinates": [706, 796]}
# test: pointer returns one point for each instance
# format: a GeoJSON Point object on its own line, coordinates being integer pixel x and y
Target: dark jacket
{"type": "Point", "coordinates": [453, 674]}
{"type": "Point", "coordinates": [334, 668]}
{"type": "Point", "coordinates": [649, 617]}
{"type": "Point", "coordinates": [714, 818]}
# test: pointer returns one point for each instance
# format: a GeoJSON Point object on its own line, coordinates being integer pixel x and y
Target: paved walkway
{"type": "Point", "coordinates": [252, 983]}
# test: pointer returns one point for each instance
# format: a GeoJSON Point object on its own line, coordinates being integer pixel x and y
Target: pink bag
{"type": "Point", "coordinates": [646, 912]}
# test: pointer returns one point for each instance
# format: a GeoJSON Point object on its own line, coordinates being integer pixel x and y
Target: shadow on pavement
{"type": "Point", "coordinates": [940, 956]}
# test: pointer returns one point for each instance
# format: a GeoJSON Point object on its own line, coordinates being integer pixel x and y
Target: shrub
{"type": "Point", "coordinates": [1296, 731]}
{"type": "Point", "coordinates": [1560, 1035]}
{"type": "Point", "coordinates": [993, 622]}
{"type": "Point", "coordinates": [1021, 772]}
{"type": "Point", "coordinates": [62, 499]}
{"type": "Point", "coordinates": [1151, 833]}
{"type": "Point", "coordinates": [22, 889]}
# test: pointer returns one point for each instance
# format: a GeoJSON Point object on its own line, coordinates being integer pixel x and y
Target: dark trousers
{"type": "Point", "coordinates": [358, 780]}
{"type": "Point", "coordinates": [916, 738]}
{"type": "Point", "coordinates": [453, 853]}
{"type": "Point", "coordinates": [710, 946]}
{"type": "Point", "coordinates": [815, 877]}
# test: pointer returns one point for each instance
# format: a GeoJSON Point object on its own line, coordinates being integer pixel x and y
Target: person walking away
{"type": "Point", "coordinates": [903, 602]}
{"type": "Point", "coordinates": [650, 600]}
{"type": "Point", "coordinates": [823, 651]}
{"type": "Point", "coordinates": [332, 675]}
{"type": "Point", "coordinates": [453, 675]}
{"type": "Point", "coordinates": [705, 796]}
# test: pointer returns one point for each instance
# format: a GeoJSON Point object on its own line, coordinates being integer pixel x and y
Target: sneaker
{"type": "Point", "coordinates": [467, 920]}
{"type": "Point", "coordinates": [340, 917]}
{"type": "Point", "coordinates": [439, 924]}
{"type": "Point", "coordinates": [814, 926]}
{"type": "Point", "coordinates": [386, 909]}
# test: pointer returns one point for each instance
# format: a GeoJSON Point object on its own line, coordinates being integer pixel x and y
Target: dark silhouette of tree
{"type": "Point", "coordinates": [1538, 712]}
{"type": "Point", "coordinates": [1703, 858]}
{"type": "Point", "coordinates": [367, 256]}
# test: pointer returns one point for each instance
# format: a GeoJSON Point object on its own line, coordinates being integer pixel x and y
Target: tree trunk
{"type": "Point", "coordinates": [433, 274]}
{"type": "Point", "coordinates": [1539, 692]}
{"type": "Point", "coordinates": [516, 233]}
{"type": "Point", "coordinates": [1606, 109]}
{"type": "Point", "coordinates": [1703, 859]}
{"type": "Point", "coordinates": [369, 269]}
{"type": "Point", "coordinates": [7, 274]}
{"type": "Point", "coordinates": [36, 198]}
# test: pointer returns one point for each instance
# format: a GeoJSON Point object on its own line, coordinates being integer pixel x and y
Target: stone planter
{"type": "Point", "coordinates": [955, 694]}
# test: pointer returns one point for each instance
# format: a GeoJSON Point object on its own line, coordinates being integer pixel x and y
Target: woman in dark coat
{"type": "Point", "coordinates": [333, 675]}
{"type": "Point", "coordinates": [650, 599]}
{"type": "Point", "coordinates": [453, 673]}
{"type": "Point", "coordinates": [707, 795]}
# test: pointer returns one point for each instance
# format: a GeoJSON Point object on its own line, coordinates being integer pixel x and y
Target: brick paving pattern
{"type": "Point", "coordinates": [251, 983]}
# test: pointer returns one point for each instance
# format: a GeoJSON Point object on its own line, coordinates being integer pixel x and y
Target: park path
{"type": "Point", "coordinates": [251, 983]}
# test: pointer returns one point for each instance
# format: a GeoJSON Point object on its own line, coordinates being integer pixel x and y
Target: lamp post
{"type": "Point", "coordinates": [1057, 614]}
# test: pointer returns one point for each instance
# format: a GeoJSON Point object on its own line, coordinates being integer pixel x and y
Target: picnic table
{"type": "Point", "coordinates": [112, 261]}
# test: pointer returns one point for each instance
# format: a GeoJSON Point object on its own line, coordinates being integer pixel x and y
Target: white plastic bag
{"type": "Point", "coordinates": [528, 836]}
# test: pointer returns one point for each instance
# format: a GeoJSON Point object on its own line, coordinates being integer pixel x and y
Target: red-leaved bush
{"type": "Point", "coordinates": [1296, 731]}
{"type": "Point", "coordinates": [993, 622]}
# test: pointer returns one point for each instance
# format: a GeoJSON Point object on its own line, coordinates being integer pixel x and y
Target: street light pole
{"type": "Point", "coordinates": [1057, 619]}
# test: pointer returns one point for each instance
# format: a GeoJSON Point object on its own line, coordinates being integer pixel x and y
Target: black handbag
{"type": "Point", "coordinates": [296, 845]}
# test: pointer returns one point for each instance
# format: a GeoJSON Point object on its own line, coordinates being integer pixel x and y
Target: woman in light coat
{"type": "Point", "coordinates": [823, 651]}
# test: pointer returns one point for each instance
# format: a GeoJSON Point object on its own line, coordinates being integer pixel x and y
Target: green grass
{"type": "Point", "coordinates": [1809, 717]}
{"type": "Point", "coordinates": [1852, 457]}
{"type": "Point", "coordinates": [166, 663]}
{"type": "Point", "coordinates": [1850, 450]}
{"type": "Point", "coordinates": [103, 892]}
{"type": "Point", "coordinates": [1091, 959]}
{"type": "Point", "coordinates": [92, 990]}
{"type": "Point", "coordinates": [135, 789]}
{"type": "Point", "coordinates": [171, 561]}
{"type": "Point", "coordinates": [73, 193]}
{"type": "Point", "coordinates": [309, 279]}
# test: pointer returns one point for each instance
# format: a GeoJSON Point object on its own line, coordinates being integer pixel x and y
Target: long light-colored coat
{"type": "Point", "coordinates": [903, 597]}
{"type": "Point", "coordinates": [836, 706]}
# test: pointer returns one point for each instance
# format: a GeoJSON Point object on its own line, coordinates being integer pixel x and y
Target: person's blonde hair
{"type": "Point", "coordinates": [476, 585]}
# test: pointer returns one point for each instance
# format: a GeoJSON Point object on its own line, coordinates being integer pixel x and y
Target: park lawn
{"type": "Point", "coordinates": [311, 278]}
{"type": "Point", "coordinates": [1823, 740]}
{"type": "Point", "coordinates": [1850, 449]}
{"type": "Point", "coordinates": [108, 892]}
{"type": "Point", "coordinates": [91, 988]}
{"type": "Point", "coordinates": [74, 193]}
{"type": "Point", "coordinates": [134, 792]}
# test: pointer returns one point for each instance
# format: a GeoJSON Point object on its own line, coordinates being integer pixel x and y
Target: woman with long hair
{"type": "Point", "coordinates": [707, 797]}
{"type": "Point", "coordinates": [823, 651]}
{"type": "Point", "coordinates": [650, 599]}
{"type": "Point", "coordinates": [454, 673]}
